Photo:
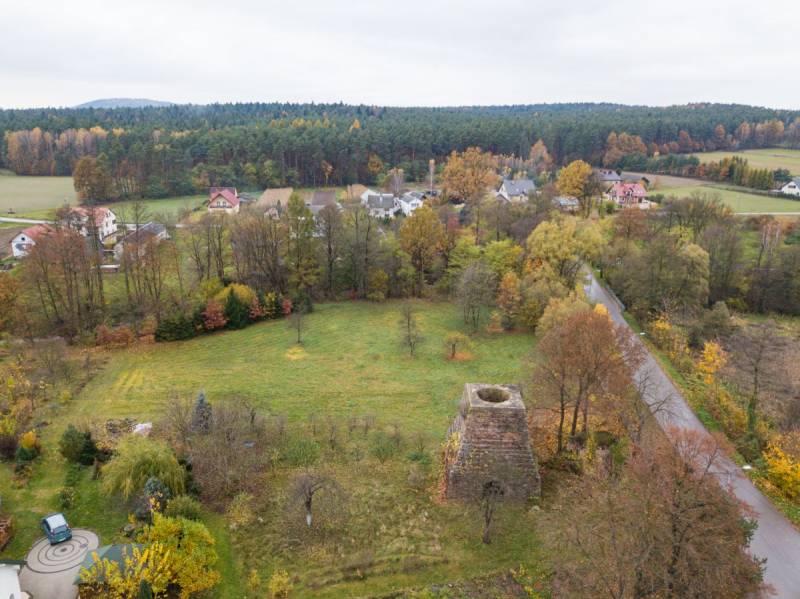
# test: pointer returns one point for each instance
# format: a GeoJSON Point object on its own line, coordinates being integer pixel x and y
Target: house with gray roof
{"type": "Point", "coordinates": [792, 188]}
{"type": "Point", "coordinates": [516, 190]}
{"type": "Point", "coordinates": [155, 232]}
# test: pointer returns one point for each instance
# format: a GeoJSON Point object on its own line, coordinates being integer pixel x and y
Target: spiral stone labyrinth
{"type": "Point", "coordinates": [45, 558]}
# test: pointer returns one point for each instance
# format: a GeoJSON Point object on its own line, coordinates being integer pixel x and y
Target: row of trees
{"type": "Point", "coordinates": [154, 152]}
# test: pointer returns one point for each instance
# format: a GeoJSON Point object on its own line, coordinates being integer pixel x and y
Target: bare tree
{"type": "Point", "coordinates": [658, 526]}
{"type": "Point", "coordinates": [491, 495]}
{"type": "Point", "coordinates": [410, 329]}
{"type": "Point", "coordinates": [297, 322]}
{"type": "Point", "coordinates": [306, 485]}
{"type": "Point", "coordinates": [475, 291]}
{"type": "Point", "coordinates": [758, 349]}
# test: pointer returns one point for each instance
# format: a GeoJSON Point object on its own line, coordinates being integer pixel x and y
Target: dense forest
{"type": "Point", "coordinates": [175, 150]}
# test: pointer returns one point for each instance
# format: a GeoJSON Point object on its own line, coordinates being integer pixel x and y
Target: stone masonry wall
{"type": "Point", "coordinates": [490, 443]}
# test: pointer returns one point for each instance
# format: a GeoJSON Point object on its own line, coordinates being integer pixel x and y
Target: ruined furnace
{"type": "Point", "coordinates": [488, 442]}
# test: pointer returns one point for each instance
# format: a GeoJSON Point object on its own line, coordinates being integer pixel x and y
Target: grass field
{"type": "Point", "coordinates": [771, 158]}
{"type": "Point", "coordinates": [350, 364]}
{"type": "Point", "coordinates": [739, 201]}
{"type": "Point", "coordinates": [26, 195]}
{"type": "Point", "coordinates": [169, 207]}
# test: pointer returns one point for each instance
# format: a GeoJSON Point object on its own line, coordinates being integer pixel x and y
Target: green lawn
{"type": "Point", "coordinates": [740, 201]}
{"type": "Point", "coordinates": [160, 207]}
{"type": "Point", "coordinates": [350, 364]}
{"type": "Point", "coordinates": [25, 195]}
{"type": "Point", "coordinates": [771, 158]}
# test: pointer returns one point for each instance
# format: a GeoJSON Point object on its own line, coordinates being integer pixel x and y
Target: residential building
{"type": "Point", "coordinates": [274, 201]}
{"type": "Point", "coordinates": [567, 203]}
{"type": "Point", "coordinates": [22, 243]}
{"type": "Point", "coordinates": [380, 205]}
{"type": "Point", "coordinates": [516, 190]}
{"type": "Point", "coordinates": [607, 176]}
{"type": "Point", "coordinates": [223, 200]}
{"type": "Point", "coordinates": [320, 199]}
{"type": "Point", "coordinates": [9, 579]}
{"type": "Point", "coordinates": [140, 237]}
{"type": "Point", "coordinates": [105, 221]}
{"type": "Point", "coordinates": [410, 201]}
{"type": "Point", "coordinates": [629, 194]}
{"type": "Point", "coordinates": [792, 188]}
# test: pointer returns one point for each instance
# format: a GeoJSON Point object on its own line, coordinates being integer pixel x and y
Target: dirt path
{"type": "Point", "coordinates": [775, 539]}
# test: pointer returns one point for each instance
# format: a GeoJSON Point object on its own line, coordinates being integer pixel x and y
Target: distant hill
{"type": "Point", "coordinates": [123, 103]}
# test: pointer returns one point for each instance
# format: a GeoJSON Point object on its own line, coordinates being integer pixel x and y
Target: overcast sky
{"type": "Point", "coordinates": [393, 52]}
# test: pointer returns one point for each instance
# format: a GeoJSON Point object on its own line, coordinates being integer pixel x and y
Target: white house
{"type": "Point", "coordinates": [9, 579]}
{"type": "Point", "coordinates": [21, 244]}
{"type": "Point", "coordinates": [380, 205]}
{"type": "Point", "coordinates": [105, 221]}
{"type": "Point", "coordinates": [150, 231]}
{"type": "Point", "coordinates": [383, 205]}
{"type": "Point", "coordinates": [516, 190]}
{"type": "Point", "coordinates": [792, 188]}
{"type": "Point", "coordinates": [410, 201]}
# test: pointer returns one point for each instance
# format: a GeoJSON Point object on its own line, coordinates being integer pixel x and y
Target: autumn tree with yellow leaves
{"type": "Point", "coordinates": [469, 176]}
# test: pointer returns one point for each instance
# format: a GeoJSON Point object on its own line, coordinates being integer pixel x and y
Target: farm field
{"type": "Point", "coordinates": [33, 195]}
{"type": "Point", "coordinates": [771, 158]}
{"type": "Point", "coordinates": [739, 201]}
{"type": "Point", "coordinates": [350, 364]}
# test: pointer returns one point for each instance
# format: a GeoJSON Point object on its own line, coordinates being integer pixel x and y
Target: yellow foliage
{"type": "Point", "coordinates": [245, 294]}
{"type": "Point", "coordinates": [151, 564]}
{"type": "Point", "coordinates": [279, 585]}
{"type": "Point", "coordinates": [601, 309]}
{"type": "Point", "coordinates": [783, 471]}
{"type": "Point", "coordinates": [29, 440]}
{"type": "Point", "coordinates": [711, 361]}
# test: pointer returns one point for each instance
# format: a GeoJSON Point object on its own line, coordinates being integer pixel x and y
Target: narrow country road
{"type": "Point", "coordinates": [23, 221]}
{"type": "Point", "coordinates": [775, 539]}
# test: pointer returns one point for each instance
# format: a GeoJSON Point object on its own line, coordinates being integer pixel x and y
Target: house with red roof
{"type": "Point", "coordinates": [223, 200]}
{"type": "Point", "coordinates": [22, 243]}
{"type": "Point", "coordinates": [629, 195]}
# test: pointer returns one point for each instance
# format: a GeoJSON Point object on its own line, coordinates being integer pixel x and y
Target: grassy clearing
{"type": "Point", "coordinates": [739, 201]}
{"type": "Point", "coordinates": [34, 195]}
{"type": "Point", "coordinates": [350, 362]}
{"type": "Point", "coordinates": [170, 207]}
{"type": "Point", "coordinates": [771, 158]}
{"type": "Point", "coordinates": [395, 534]}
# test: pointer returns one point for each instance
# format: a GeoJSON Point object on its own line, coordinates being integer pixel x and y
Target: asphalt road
{"type": "Point", "coordinates": [775, 538]}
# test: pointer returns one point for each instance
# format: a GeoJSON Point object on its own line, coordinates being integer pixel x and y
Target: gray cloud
{"type": "Point", "coordinates": [417, 52]}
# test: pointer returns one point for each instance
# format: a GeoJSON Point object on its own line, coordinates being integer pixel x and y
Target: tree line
{"type": "Point", "coordinates": [163, 151]}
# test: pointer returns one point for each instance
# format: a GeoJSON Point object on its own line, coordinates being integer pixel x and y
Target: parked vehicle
{"type": "Point", "coordinates": [56, 528]}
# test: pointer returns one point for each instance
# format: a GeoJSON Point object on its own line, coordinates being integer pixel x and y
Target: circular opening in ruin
{"type": "Point", "coordinates": [493, 394]}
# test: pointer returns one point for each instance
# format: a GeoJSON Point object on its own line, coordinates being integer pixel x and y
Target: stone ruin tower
{"type": "Point", "coordinates": [488, 442]}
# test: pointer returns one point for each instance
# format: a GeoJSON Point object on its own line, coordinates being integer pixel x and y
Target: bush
{"type": "Point", "coordinates": [156, 493]}
{"type": "Point", "coordinates": [25, 455]}
{"type": "Point", "coordinates": [121, 336]}
{"type": "Point", "coordinates": [214, 316]}
{"type": "Point", "coordinates": [383, 446]}
{"type": "Point", "coordinates": [66, 497]}
{"type": "Point", "coordinates": [244, 293]}
{"type": "Point", "coordinates": [300, 451]}
{"type": "Point", "coordinates": [237, 313]}
{"type": "Point", "coordinates": [77, 447]}
{"type": "Point", "coordinates": [30, 442]}
{"type": "Point", "coordinates": [184, 506]}
{"type": "Point", "coordinates": [240, 511]}
{"type": "Point", "coordinates": [279, 585]}
{"type": "Point", "coordinates": [8, 447]}
{"type": "Point", "coordinates": [137, 460]}
{"type": "Point", "coordinates": [175, 327]}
